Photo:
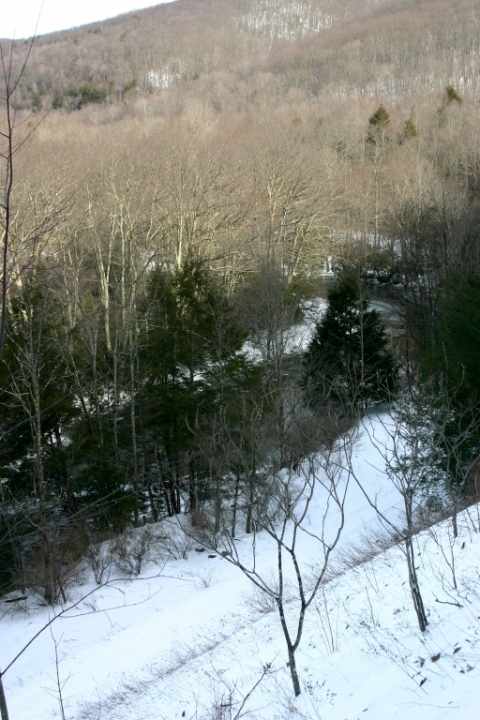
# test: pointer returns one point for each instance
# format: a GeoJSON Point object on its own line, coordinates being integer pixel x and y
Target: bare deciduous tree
{"type": "Point", "coordinates": [301, 548]}
{"type": "Point", "coordinates": [9, 147]}
{"type": "Point", "coordinates": [401, 455]}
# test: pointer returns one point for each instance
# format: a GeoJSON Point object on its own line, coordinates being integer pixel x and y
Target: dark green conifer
{"type": "Point", "coordinates": [452, 95]}
{"type": "Point", "coordinates": [378, 127]}
{"type": "Point", "coordinates": [348, 361]}
{"type": "Point", "coordinates": [380, 117]}
{"type": "Point", "coordinates": [409, 129]}
{"type": "Point", "coordinates": [192, 360]}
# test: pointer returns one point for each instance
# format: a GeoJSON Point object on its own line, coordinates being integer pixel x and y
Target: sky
{"type": "Point", "coordinates": [18, 18]}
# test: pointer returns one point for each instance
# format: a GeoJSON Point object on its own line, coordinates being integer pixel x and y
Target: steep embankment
{"type": "Point", "coordinates": [189, 638]}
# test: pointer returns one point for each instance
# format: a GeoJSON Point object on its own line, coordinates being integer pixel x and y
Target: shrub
{"type": "Point", "coordinates": [133, 548]}
{"type": "Point", "coordinates": [99, 557]}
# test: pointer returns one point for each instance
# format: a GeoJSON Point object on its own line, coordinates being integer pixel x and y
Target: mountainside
{"type": "Point", "coordinates": [192, 195]}
{"type": "Point", "coordinates": [258, 87]}
{"type": "Point", "coordinates": [317, 49]}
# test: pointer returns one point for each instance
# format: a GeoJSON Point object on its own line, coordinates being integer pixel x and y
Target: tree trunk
{"type": "Point", "coordinates": [251, 491]}
{"type": "Point", "coordinates": [414, 586]}
{"type": "Point", "coordinates": [293, 672]}
{"type": "Point", "coordinates": [192, 483]}
{"type": "Point", "coordinates": [235, 502]}
{"type": "Point", "coordinates": [3, 701]}
{"type": "Point", "coordinates": [134, 432]}
{"type": "Point", "coordinates": [151, 499]}
{"type": "Point", "coordinates": [291, 647]}
{"type": "Point", "coordinates": [48, 559]}
{"type": "Point", "coordinates": [166, 494]}
{"type": "Point", "coordinates": [455, 516]}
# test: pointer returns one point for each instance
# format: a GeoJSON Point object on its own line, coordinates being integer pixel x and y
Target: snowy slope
{"type": "Point", "coordinates": [186, 639]}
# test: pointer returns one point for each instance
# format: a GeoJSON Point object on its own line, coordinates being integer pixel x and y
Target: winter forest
{"type": "Point", "coordinates": [239, 330]}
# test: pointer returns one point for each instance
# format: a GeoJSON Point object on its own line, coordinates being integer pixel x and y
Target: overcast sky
{"type": "Point", "coordinates": [19, 17]}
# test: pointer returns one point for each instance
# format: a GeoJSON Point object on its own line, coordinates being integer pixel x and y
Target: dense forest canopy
{"type": "Point", "coordinates": [184, 175]}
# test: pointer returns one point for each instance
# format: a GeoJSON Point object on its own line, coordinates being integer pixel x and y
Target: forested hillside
{"type": "Point", "coordinates": [177, 182]}
{"type": "Point", "coordinates": [239, 55]}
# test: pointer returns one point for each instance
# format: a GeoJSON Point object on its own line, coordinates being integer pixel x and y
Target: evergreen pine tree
{"type": "Point", "coordinates": [452, 95]}
{"type": "Point", "coordinates": [378, 122]}
{"type": "Point", "coordinates": [193, 366]}
{"type": "Point", "coordinates": [409, 129]}
{"type": "Point", "coordinates": [347, 361]}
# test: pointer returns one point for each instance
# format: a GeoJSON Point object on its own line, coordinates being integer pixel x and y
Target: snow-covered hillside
{"type": "Point", "coordinates": [191, 639]}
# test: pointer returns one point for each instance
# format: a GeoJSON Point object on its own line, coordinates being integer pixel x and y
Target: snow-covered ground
{"type": "Point", "coordinates": [187, 640]}
{"type": "Point", "coordinates": [296, 338]}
